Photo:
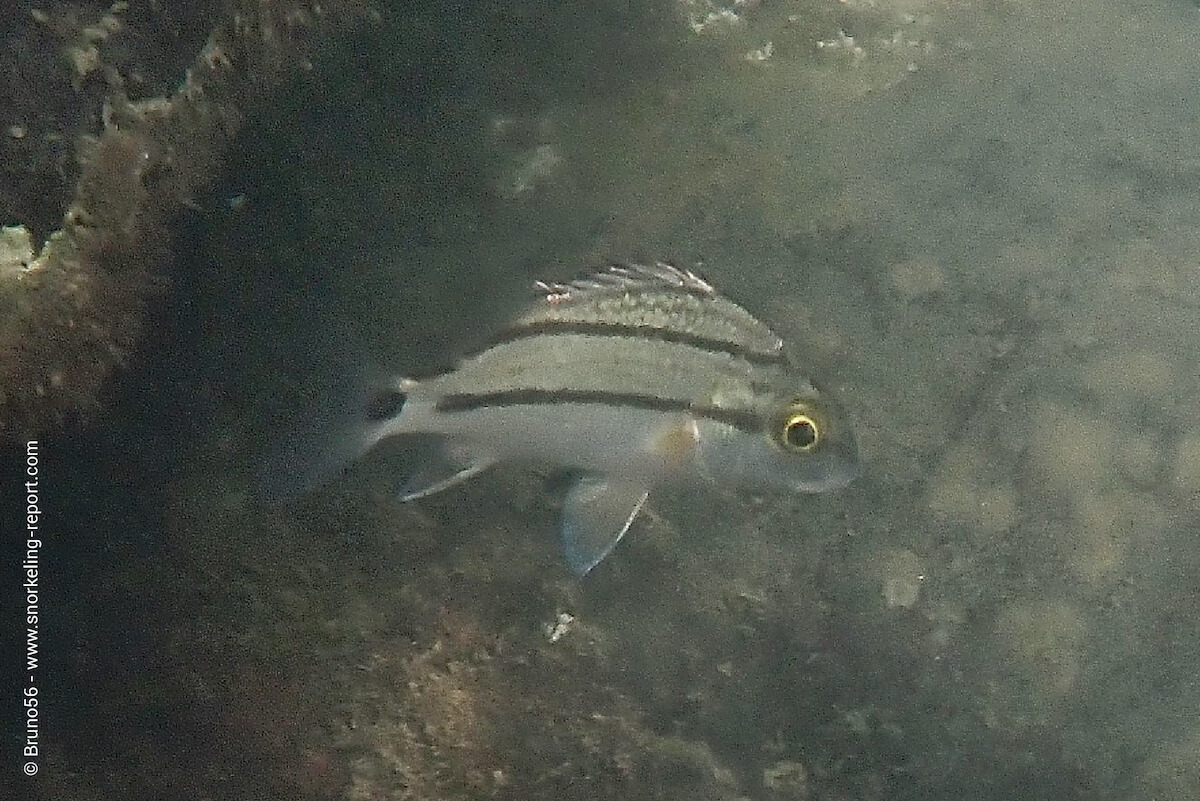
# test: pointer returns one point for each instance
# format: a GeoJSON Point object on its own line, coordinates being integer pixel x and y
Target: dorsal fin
{"type": "Point", "coordinates": [628, 276]}
{"type": "Point", "coordinates": [660, 301]}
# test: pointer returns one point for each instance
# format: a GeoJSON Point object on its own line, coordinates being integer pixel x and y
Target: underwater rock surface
{"type": "Point", "coordinates": [115, 119]}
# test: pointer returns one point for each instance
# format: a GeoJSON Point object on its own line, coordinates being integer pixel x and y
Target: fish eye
{"type": "Point", "coordinates": [800, 433]}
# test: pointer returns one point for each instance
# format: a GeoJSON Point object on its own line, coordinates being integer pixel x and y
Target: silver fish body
{"type": "Point", "coordinates": [631, 378]}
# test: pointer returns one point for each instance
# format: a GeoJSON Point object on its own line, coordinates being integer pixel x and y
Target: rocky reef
{"type": "Point", "coordinates": [114, 119]}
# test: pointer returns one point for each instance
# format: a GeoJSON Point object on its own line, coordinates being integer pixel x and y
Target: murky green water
{"type": "Point", "coordinates": [976, 223]}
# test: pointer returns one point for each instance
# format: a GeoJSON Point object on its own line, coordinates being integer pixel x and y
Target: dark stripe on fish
{"type": "Point", "coordinates": [548, 327]}
{"type": "Point", "coordinates": [470, 401]}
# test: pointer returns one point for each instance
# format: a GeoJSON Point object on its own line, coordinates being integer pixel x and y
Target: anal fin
{"type": "Point", "coordinates": [442, 467]}
{"type": "Point", "coordinates": [596, 514]}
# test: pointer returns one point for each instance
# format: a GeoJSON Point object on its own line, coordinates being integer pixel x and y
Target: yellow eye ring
{"type": "Point", "coordinates": [800, 433]}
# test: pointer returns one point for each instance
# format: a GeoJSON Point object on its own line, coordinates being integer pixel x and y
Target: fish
{"type": "Point", "coordinates": [630, 378]}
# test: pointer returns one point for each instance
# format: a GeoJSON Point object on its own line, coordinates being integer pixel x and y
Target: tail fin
{"type": "Point", "coordinates": [328, 437]}
{"type": "Point", "coordinates": [328, 406]}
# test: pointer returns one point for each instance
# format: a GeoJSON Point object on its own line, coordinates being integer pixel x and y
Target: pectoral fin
{"type": "Point", "coordinates": [596, 514]}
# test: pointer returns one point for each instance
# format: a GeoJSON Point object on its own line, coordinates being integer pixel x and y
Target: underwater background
{"type": "Point", "coordinates": [976, 223]}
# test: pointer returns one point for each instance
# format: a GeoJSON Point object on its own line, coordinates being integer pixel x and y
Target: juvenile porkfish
{"type": "Point", "coordinates": [627, 379]}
